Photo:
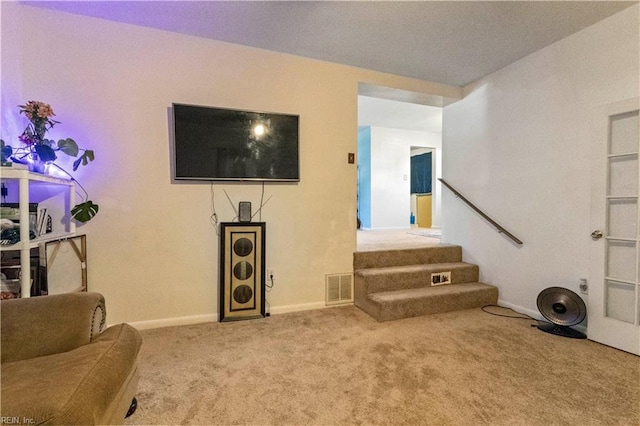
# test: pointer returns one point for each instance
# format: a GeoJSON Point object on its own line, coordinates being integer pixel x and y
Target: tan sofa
{"type": "Point", "coordinates": [58, 366]}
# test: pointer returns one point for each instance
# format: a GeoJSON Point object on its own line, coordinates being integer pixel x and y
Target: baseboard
{"type": "Point", "coordinates": [522, 310]}
{"type": "Point", "coordinates": [175, 321]}
{"type": "Point", "coordinates": [276, 310]}
{"type": "Point", "coordinates": [536, 314]}
{"type": "Point", "coordinates": [198, 319]}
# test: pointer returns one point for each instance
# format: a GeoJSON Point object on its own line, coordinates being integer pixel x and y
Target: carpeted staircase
{"type": "Point", "coordinates": [395, 284]}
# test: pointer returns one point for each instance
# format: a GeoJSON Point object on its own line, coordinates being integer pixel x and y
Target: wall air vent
{"type": "Point", "coordinates": [339, 289]}
{"type": "Point", "coordinates": [441, 278]}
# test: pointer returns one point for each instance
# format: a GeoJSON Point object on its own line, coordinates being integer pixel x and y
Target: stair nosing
{"type": "Point", "coordinates": [406, 256]}
{"type": "Point", "coordinates": [428, 291]}
{"type": "Point", "coordinates": [438, 246]}
{"type": "Point", "coordinates": [412, 268]}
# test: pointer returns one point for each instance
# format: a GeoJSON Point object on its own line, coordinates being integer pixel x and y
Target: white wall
{"type": "Point", "coordinates": [152, 250]}
{"type": "Point", "coordinates": [389, 180]}
{"type": "Point", "coordinates": [390, 163]}
{"type": "Point", "coordinates": [518, 145]}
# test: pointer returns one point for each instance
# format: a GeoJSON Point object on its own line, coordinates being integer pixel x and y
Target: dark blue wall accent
{"type": "Point", "coordinates": [421, 174]}
{"type": "Point", "coordinates": [364, 176]}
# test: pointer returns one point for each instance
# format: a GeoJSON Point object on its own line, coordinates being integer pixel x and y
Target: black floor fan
{"type": "Point", "coordinates": [562, 308]}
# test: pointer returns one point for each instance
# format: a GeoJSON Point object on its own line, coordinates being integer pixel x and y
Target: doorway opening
{"type": "Point", "coordinates": [390, 133]}
{"type": "Point", "coordinates": [422, 174]}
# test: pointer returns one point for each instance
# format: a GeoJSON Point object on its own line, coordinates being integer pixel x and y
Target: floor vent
{"type": "Point", "coordinates": [339, 288]}
{"type": "Point", "coordinates": [441, 278]}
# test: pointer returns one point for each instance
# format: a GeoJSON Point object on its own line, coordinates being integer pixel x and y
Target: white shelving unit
{"type": "Point", "coordinates": [35, 187]}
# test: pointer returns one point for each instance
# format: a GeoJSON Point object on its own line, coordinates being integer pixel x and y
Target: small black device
{"type": "Point", "coordinates": [244, 211]}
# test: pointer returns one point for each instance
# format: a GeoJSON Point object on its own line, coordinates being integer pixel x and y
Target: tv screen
{"type": "Point", "coordinates": [226, 144]}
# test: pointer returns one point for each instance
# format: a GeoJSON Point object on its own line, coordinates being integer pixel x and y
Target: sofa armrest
{"type": "Point", "coordinates": [45, 325]}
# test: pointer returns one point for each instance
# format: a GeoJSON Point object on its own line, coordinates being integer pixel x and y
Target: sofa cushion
{"type": "Point", "coordinates": [38, 326]}
{"type": "Point", "coordinates": [74, 387]}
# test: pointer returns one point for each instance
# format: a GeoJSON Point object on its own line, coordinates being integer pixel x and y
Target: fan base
{"type": "Point", "coordinates": [562, 330]}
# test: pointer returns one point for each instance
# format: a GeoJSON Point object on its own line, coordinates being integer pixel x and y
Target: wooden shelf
{"type": "Point", "coordinates": [11, 173]}
{"type": "Point", "coordinates": [24, 188]}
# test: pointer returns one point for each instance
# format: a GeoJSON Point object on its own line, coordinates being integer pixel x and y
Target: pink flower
{"type": "Point", "coordinates": [45, 110]}
{"type": "Point", "coordinates": [27, 137]}
{"type": "Point", "coordinates": [35, 110]}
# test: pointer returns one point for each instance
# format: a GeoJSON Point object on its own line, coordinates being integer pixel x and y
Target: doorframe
{"type": "Point", "coordinates": [601, 328]}
{"type": "Point", "coordinates": [435, 173]}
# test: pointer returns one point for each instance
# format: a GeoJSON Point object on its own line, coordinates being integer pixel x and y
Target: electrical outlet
{"type": "Point", "coordinates": [584, 286]}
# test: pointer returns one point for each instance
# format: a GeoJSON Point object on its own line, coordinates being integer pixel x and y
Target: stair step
{"type": "Point", "coordinates": [393, 305]}
{"type": "Point", "coordinates": [393, 278]}
{"type": "Point", "coordinates": [442, 253]}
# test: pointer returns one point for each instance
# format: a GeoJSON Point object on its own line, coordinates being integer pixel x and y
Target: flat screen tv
{"type": "Point", "coordinates": [233, 145]}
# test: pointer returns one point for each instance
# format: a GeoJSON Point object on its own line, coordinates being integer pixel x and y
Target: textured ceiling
{"type": "Point", "coordinates": [398, 115]}
{"type": "Point", "coordinates": [451, 42]}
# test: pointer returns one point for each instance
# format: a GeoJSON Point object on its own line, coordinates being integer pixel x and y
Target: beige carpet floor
{"type": "Point", "coordinates": [390, 239]}
{"type": "Point", "coordinates": [337, 366]}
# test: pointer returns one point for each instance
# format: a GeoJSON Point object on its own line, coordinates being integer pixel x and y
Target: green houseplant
{"type": "Point", "coordinates": [40, 153]}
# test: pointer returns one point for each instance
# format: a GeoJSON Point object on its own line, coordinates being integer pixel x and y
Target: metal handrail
{"type": "Point", "coordinates": [498, 227]}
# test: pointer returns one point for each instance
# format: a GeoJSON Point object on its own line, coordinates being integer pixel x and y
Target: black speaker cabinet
{"type": "Point", "coordinates": [242, 271]}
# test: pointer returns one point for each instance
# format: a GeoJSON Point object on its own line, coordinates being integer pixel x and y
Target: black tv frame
{"type": "Point", "coordinates": [289, 157]}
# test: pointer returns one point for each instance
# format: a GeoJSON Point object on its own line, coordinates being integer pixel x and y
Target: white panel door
{"type": "Point", "coordinates": [614, 297]}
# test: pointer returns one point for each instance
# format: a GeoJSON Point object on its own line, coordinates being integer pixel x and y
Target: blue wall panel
{"type": "Point", "coordinates": [421, 174]}
{"type": "Point", "coordinates": [364, 176]}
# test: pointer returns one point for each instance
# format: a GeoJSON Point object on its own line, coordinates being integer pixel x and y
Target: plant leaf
{"type": "Point", "coordinates": [7, 150]}
{"type": "Point", "coordinates": [84, 212]}
{"type": "Point", "coordinates": [84, 159]}
{"type": "Point", "coordinates": [76, 164]}
{"type": "Point", "coordinates": [69, 147]}
{"type": "Point", "coordinates": [45, 152]}
{"type": "Point", "coordinates": [87, 157]}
